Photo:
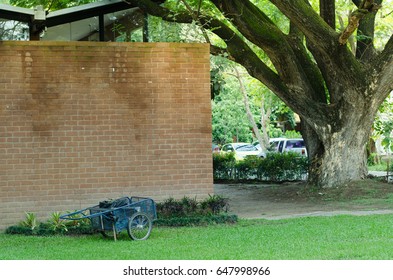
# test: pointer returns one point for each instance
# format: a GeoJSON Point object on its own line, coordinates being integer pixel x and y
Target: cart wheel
{"type": "Point", "coordinates": [139, 226]}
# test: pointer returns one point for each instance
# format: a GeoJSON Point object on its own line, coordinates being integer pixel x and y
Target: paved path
{"type": "Point", "coordinates": [248, 201]}
{"type": "Point", "coordinates": [329, 214]}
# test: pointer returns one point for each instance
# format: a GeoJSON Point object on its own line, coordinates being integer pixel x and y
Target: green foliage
{"type": "Point", "coordinates": [275, 167]}
{"type": "Point", "coordinates": [54, 226]}
{"type": "Point", "coordinates": [50, 5]}
{"type": "Point", "coordinates": [383, 125]}
{"type": "Point", "coordinates": [292, 134]}
{"type": "Point", "coordinates": [197, 220]}
{"type": "Point", "coordinates": [190, 207]}
{"type": "Point", "coordinates": [279, 167]}
{"type": "Point", "coordinates": [30, 222]}
{"type": "Point", "coordinates": [214, 204]}
{"type": "Point", "coordinates": [372, 159]}
{"type": "Point", "coordinates": [189, 212]}
{"type": "Point", "coordinates": [247, 168]}
{"type": "Point", "coordinates": [229, 118]}
{"type": "Point", "coordinates": [79, 220]}
{"type": "Point", "coordinates": [57, 224]}
{"type": "Point", "coordinates": [223, 165]}
{"type": "Point", "coordinates": [171, 207]}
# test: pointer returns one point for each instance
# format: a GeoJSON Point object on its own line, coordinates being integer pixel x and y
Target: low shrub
{"type": "Point", "coordinates": [187, 207]}
{"type": "Point", "coordinates": [190, 212]}
{"type": "Point", "coordinates": [223, 165]}
{"type": "Point", "coordinates": [197, 220]}
{"type": "Point", "coordinates": [184, 212]}
{"type": "Point", "coordinates": [30, 226]}
{"type": "Point", "coordinates": [275, 167]}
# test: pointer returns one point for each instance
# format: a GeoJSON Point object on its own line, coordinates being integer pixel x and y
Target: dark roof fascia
{"type": "Point", "coordinates": [85, 11]}
{"type": "Point", "coordinates": [69, 14]}
{"type": "Point", "coordinates": [16, 13]}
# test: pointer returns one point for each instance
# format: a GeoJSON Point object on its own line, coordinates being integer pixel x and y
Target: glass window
{"type": "Point", "coordinates": [11, 30]}
{"type": "Point", "coordinates": [246, 148]}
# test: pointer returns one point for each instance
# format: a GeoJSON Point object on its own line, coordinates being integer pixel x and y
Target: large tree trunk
{"type": "Point", "coordinates": [337, 152]}
{"type": "Point", "coordinates": [340, 160]}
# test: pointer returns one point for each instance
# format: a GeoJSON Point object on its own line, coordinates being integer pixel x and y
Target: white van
{"type": "Point", "coordinates": [281, 145]}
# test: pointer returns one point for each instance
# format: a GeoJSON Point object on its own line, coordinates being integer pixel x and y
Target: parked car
{"type": "Point", "coordinates": [274, 143]}
{"type": "Point", "coordinates": [241, 150]}
{"type": "Point", "coordinates": [281, 145]}
{"type": "Point", "coordinates": [258, 146]}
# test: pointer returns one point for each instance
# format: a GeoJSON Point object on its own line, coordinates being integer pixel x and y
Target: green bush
{"type": "Point", "coordinates": [189, 207]}
{"type": "Point", "coordinates": [197, 220]}
{"type": "Point", "coordinates": [224, 165]}
{"type": "Point", "coordinates": [190, 212]}
{"type": "Point", "coordinates": [279, 167]}
{"type": "Point", "coordinates": [276, 167]}
{"type": "Point", "coordinates": [247, 168]}
{"type": "Point", "coordinates": [55, 225]}
{"type": "Point", "coordinates": [214, 204]}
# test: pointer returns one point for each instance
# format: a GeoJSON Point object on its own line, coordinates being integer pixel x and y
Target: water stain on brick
{"type": "Point", "coordinates": [89, 120]}
{"type": "Point", "coordinates": [44, 87]}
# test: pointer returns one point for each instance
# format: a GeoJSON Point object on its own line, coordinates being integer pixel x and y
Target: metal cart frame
{"type": "Point", "coordinates": [136, 214]}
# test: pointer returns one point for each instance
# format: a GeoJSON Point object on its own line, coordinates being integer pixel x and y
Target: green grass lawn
{"type": "Point", "coordinates": [324, 238]}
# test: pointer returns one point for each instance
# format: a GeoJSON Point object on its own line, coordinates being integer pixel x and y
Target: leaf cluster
{"type": "Point", "coordinates": [191, 207]}
{"type": "Point", "coordinates": [276, 167]}
{"type": "Point", "coordinates": [54, 226]}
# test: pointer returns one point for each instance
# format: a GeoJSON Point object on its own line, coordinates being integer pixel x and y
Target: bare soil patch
{"type": "Point", "coordinates": [294, 199]}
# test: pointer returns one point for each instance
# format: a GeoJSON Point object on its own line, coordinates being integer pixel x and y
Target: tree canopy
{"type": "Point", "coordinates": [333, 77]}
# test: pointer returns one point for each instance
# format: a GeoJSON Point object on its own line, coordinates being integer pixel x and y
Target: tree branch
{"type": "Point", "coordinates": [310, 23]}
{"type": "Point", "coordinates": [365, 7]}
{"type": "Point", "coordinates": [263, 141]}
{"type": "Point", "coordinates": [195, 17]}
{"type": "Point", "coordinates": [155, 10]}
{"type": "Point", "coordinates": [383, 65]}
{"type": "Point", "coordinates": [288, 55]}
{"type": "Point", "coordinates": [327, 10]}
{"type": "Point", "coordinates": [311, 70]}
{"type": "Point", "coordinates": [290, 86]}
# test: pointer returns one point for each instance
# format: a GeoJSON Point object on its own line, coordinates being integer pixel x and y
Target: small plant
{"type": "Point", "coordinates": [215, 204]}
{"type": "Point", "coordinates": [224, 165]}
{"type": "Point", "coordinates": [78, 222]}
{"type": "Point", "coordinates": [190, 205]}
{"type": "Point", "coordinates": [57, 224]}
{"type": "Point", "coordinates": [30, 221]}
{"type": "Point", "coordinates": [190, 212]}
{"type": "Point", "coordinates": [170, 207]}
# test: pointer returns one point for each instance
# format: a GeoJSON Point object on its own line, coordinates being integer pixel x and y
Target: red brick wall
{"type": "Point", "coordinates": [82, 122]}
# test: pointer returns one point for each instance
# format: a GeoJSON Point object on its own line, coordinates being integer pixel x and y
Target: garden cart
{"type": "Point", "coordinates": [110, 217]}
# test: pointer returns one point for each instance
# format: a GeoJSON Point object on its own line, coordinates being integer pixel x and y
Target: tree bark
{"type": "Point", "coordinates": [341, 155]}
{"type": "Point", "coordinates": [327, 10]}
{"type": "Point", "coordinates": [365, 50]}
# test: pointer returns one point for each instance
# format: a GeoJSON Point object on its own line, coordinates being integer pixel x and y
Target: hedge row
{"type": "Point", "coordinates": [275, 167]}
{"type": "Point", "coordinates": [190, 212]}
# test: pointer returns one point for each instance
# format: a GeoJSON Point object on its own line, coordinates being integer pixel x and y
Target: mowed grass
{"type": "Point", "coordinates": [310, 238]}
